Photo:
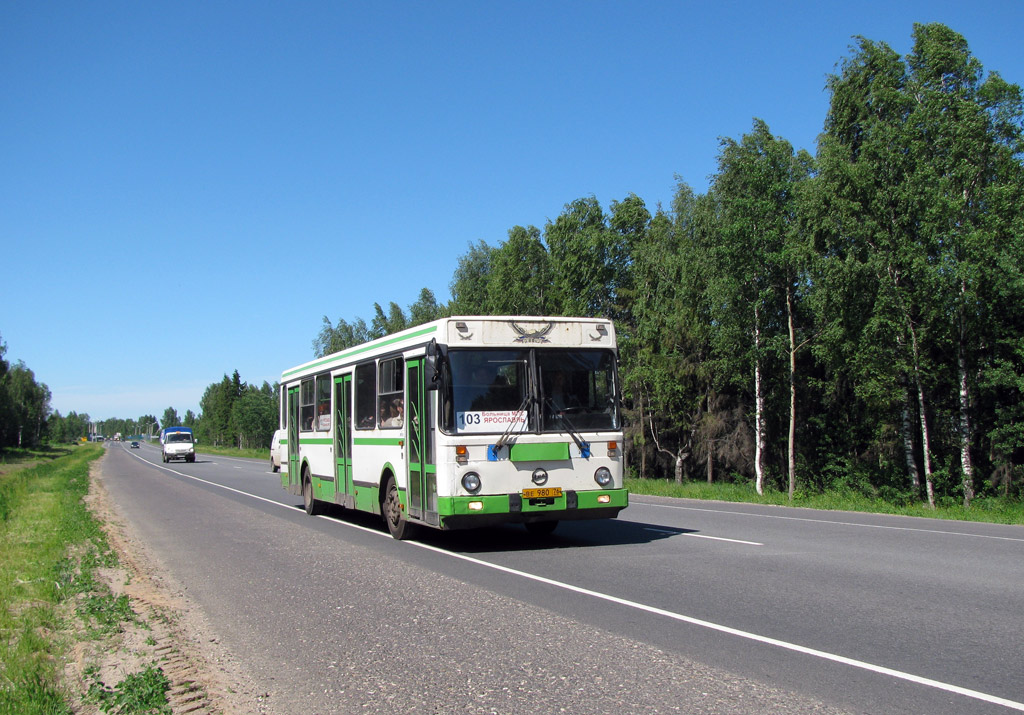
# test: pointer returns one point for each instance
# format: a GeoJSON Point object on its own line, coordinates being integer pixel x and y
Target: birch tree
{"type": "Point", "coordinates": [758, 268]}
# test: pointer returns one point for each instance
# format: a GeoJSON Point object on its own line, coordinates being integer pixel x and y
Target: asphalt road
{"type": "Point", "coordinates": [676, 606]}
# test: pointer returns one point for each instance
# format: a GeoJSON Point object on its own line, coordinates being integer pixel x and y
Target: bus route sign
{"type": "Point", "coordinates": [496, 421]}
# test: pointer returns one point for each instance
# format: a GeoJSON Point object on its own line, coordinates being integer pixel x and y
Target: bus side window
{"type": "Point", "coordinates": [390, 399]}
{"type": "Point", "coordinates": [306, 406]}
{"type": "Point", "coordinates": [366, 395]}
{"type": "Point", "coordinates": [323, 402]}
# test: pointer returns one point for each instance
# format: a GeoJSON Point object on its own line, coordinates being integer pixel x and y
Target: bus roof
{"type": "Point", "coordinates": [474, 331]}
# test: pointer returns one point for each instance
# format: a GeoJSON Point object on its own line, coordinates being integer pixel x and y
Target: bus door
{"type": "Point", "coordinates": [294, 476]}
{"type": "Point", "coordinates": [343, 440]}
{"type": "Point", "coordinates": [422, 493]}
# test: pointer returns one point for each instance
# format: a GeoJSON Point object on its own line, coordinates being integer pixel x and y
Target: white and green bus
{"type": "Point", "coordinates": [460, 423]}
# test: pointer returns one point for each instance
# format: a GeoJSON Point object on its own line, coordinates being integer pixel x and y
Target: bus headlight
{"type": "Point", "coordinates": [603, 477]}
{"type": "Point", "coordinates": [540, 476]}
{"type": "Point", "coordinates": [471, 482]}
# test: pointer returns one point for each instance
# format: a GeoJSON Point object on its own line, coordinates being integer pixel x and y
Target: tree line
{"type": "Point", "coordinates": [24, 405]}
{"type": "Point", "coordinates": [840, 321]}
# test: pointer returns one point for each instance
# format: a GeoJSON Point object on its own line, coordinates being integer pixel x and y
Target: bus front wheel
{"type": "Point", "coordinates": [398, 525]}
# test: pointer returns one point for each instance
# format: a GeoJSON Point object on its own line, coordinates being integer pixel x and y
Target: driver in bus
{"type": "Point", "coordinates": [559, 399]}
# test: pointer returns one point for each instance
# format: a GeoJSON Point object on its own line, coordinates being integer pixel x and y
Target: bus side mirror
{"type": "Point", "coordinates": [436, 355]}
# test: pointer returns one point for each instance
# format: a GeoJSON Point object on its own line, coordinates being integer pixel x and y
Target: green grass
{"type": "Point", "coordinates": [987, 509]}
{"type": "Point", "coordinates": [141, 692]}
{"type": "Point", "coordinates": [42, 519]}
{"type": "Point", "coordinates": [50, 548]}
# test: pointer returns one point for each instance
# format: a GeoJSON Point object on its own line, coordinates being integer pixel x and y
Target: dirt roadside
{"type": "Point", "coordinates": [170, 630]}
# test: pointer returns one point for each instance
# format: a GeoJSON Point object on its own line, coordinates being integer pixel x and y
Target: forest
{"type": "Point", "coordinates": [839, 321]}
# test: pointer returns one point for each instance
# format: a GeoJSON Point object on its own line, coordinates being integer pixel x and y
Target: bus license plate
{"type": "Point", "coordinates": [545, 493]}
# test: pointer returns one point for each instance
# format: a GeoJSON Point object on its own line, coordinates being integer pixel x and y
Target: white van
{"type": "Point", "coordinates": [275, 450]}
{"type": "Point", "coordinates": [178, 443]}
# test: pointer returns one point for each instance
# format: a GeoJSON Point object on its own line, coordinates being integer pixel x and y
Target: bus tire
{"type": "Point", "coordinates": [541, 528]}
{"type": "Point", "coordinates": [309, 502]}
{"type": "Point", "coordinates": [391, 510]}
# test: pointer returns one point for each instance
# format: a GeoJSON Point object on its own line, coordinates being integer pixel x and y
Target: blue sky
{"type": "Point", "coordinates": [187, 188]}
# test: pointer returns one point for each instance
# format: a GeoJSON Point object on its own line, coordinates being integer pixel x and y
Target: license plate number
{"type": "Point", "coordinates": [545, 493]}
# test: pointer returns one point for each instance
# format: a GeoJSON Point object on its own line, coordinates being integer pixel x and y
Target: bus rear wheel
{"type": "Point", "coordinates": [394, 517]}
{"type": "Point", "coordinates": [310, 503]}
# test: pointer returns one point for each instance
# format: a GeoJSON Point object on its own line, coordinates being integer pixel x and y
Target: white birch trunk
{"type": "Point", "coordinates": [908, 445]}
{"type": "Point", "coordinates": [792, 393]}
{"type": "Point", "coordinates": [758, 408]}
{"type": "Point", "coordinates": [925, 439]}
{"type": "Point", "coordinates": [965, 424]}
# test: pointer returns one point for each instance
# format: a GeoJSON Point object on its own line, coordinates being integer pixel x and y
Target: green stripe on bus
{"type": "Point", "coordinates": [316, 440]}
{"type": "Point", "coordinates": [379, 441]}
{"type": "Point", "coordinates": [355, 351]}
{"type": "Point", "coordinates": [539, 452]}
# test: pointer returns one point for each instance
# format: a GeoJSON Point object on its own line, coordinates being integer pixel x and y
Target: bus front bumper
{"type": "Point", "coordinates": [491, 509]}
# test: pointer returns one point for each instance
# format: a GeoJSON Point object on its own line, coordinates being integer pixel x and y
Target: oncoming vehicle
{"type": "Point", "coordinates": [177, 443]}
{"type": "Point", "coordinates": [460, 423]}
{"type": "Point", "coordinates": [135, 445]}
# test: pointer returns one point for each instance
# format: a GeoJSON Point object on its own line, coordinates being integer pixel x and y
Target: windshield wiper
{"type": "Point", "coordinates": [492, 451]}
{"type": "Point", "coordinates": [577, 437]}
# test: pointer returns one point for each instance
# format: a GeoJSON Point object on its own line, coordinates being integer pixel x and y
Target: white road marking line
{"type": "Point", "coordinates": [824, 655]}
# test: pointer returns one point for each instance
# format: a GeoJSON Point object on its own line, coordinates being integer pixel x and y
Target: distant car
{"type": "Point", "coordinates": [135, 445]}
{"type": "Point", "coordinates": [275, 450]}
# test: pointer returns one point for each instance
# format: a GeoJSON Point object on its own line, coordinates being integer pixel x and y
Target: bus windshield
{"type": "Point", "coordinates": [529, 390]}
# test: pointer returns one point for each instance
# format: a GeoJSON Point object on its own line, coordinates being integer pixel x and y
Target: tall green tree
{"type": "Point", "coordinates": [520, 275]}
{"type": "Point", "coordinates": [579, 244]}
{"type": "Point", "coordinates": [469, 284]}
{"type": "Point", "coordinates": [759, 269]}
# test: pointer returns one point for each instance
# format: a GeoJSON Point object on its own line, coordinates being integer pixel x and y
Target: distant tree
{"type": "Point", "coordinates": [469, 284]}
{"type": "Point", "coordinates": [393, 322]}
{"type": "Point", "coordinates": [332, 339]}
{"type": "Point", "coordinates": [171, 418]}
{"type": "Point", "coordinates": [215, 424]}
{"type": "Point", "coordinates": [25, 406]}
{"type": "Point", "coordinates": [425, 309]}
{"type": "Point", "coordinates": [255, 416]}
